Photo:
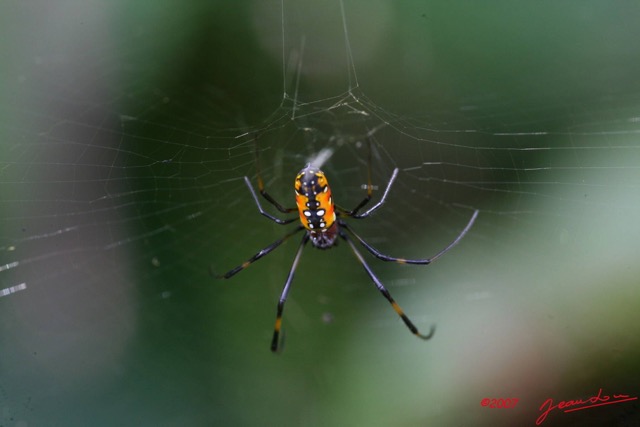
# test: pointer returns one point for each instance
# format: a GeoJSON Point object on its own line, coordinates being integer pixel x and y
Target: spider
{"type": "Point", "coordinates": [323, 222]}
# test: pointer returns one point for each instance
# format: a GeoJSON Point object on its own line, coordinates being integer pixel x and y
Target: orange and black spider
{"type": "Point", "coordinates": [323, 222]}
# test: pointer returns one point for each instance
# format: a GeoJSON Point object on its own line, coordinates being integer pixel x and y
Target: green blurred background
{"type": "Point", "coordinates": [126, 129]}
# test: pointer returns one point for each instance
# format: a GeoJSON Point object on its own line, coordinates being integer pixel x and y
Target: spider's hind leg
{"type": "Point", "coordinates": [386, 294]}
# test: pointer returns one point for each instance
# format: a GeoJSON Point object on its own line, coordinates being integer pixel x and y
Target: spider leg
{"type": "Point", "coordinates": [425, 261]}
{"type": "Point", "coordinates": [271, 199]}
{"type": "Point", "coordinates": [257, 256]}
{"type": "Point", "coordinates": [264, 193]}
{"type": "Point", "coordinates": [372, 209]}
{"type": "Point", "coordinates": [262, 212]}
{"type": "Point", "coordinates": [285, 292]}
{"type": "Point", "coordinates": [367, 198]}
{"type": "Point", "coordinates": [386, 293]}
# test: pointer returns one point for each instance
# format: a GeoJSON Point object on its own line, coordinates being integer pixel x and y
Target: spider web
{"type": "Point", "coordinates": [126, 132]}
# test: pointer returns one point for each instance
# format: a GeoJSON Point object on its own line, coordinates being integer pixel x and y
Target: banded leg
{"type": "Point", "coordinates": [264, 193]}
{"type": "Point", "coordinates": [262, 212]}
{"type": "Point", "coordinates": [425, 261]}
{"type": "Point", "coordinates": [285, 292]}
{"type": "Point", "coordinates": [386, 293]}
{"type": "Point", "coordinates": [373, 208]}
{"type": "Point", "coordinates": [257, 256]}
{"type": "Point", "coordinates": [367, 198]}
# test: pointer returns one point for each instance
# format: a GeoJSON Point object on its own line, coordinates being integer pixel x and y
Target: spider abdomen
{"type": "Point", "coordinates": [315, 206]}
